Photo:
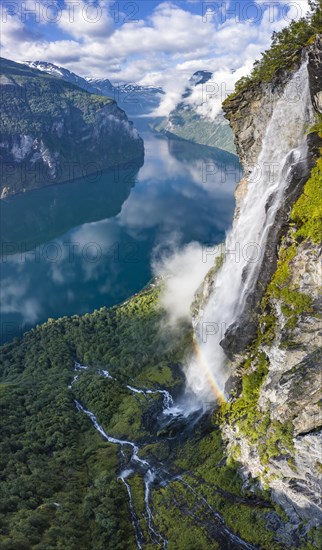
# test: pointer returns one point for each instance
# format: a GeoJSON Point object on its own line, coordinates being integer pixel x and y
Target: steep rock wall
{"type": "Point", "coordinates": [273, 424]}
{"type": "Point", "coordinates": [249, 114]}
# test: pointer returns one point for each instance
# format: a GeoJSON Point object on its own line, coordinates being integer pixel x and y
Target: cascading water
{"type": "Point", "coordinates": [135, 520]}
{"type": "Point", "coordinates": [283, 145]}
{"type": "Point", "coordinates": [151, 473]}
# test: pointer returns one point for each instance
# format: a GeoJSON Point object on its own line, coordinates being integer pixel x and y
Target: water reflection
{"type": "Point", "coordinates": [93, 243]}
{"type": "Point", "coordinates": [42, 215]}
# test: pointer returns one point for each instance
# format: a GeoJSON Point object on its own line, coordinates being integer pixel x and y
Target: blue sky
{"type": "Point", "coordinates": [146, 41]}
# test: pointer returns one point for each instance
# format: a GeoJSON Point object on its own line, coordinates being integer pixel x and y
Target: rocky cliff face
{"type": "Point", "coordinates": [273, 424]}
{"type": "Point", "coordinates": [53, 131]}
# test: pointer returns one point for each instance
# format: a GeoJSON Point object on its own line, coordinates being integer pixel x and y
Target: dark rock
{"type": "Point", "coordinates": [315, 72]}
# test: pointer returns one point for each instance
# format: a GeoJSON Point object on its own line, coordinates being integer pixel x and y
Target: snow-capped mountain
{"type": "Point", "coordinates": [58, 136]}
{"type": "Point", "coordinates": [104, 85]}
{"type": "Point", "coordinates": [131, 97]}
{"type": "Point", "coordinates": [63, 73]}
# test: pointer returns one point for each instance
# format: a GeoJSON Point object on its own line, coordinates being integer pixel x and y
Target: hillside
{"type": "Point", "coordinates": [53, 131]}
{"type": "Point", "coordinates": [64, 74]}
{"type": "Point", "coordinates": [69, 492]}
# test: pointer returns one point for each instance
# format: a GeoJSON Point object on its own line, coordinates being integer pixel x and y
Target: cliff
{"type": "Point", "coordinates": [53, 131]}
{"type": "Point", "coordinates": [273, 422]}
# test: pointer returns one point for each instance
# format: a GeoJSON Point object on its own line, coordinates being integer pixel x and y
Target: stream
{"type": "Point", "coordinates": [152, 473]}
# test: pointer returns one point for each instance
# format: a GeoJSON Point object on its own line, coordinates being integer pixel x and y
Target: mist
{"type": "Point", "coordinates": [183, 270]}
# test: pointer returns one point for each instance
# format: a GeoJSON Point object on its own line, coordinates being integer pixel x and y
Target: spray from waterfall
{"type": "Point", "coordinates": [283, 146]}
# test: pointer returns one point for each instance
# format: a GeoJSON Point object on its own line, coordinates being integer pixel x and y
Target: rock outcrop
{"type": "Point", "coordinates": [249, 114]}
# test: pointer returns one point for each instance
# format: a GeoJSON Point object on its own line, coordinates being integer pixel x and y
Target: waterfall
{"type": "Point", "coordinates": [152, 472]}
{"type": "Point", "coordinates": [284, 144]}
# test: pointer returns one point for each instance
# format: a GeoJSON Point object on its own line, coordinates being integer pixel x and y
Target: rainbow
{"type": "Point", "coordinates": [203, 364]}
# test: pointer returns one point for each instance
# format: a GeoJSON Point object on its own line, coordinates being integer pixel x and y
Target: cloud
{"type": "Point", "coordinates": [162, 49]}
{"type": "Point", "coordinates": [86, 21]}
{"type": "Point", "coordinates": [184, 270]}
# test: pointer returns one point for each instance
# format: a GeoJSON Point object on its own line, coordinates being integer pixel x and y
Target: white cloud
{"type": "Point", "coordinates": [184, 270]}
{"type": "Point", "coordinates": [86, 21]}
{"type": "Point", "coordinates": [164, 49]}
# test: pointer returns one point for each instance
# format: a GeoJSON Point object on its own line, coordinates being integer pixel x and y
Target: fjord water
{"type": "Point", "coordinates": [71, 248]}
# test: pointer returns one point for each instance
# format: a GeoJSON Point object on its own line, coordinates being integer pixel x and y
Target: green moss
{"type": "Point", "coordinates": [307, 211]}
{"type": "Point", "coordinates": [278, 441]}
{"type": "Point", "coordinates": [272, 438]}
{"type": "Point", "coordinates": [244, 410]}
{"type": "Point", "coordinates": [292, 302]}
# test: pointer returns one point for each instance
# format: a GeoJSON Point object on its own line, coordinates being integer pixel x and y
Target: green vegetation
{"type": "Point", "coordinates": [244, 411]}
{"type": "Point", "coordinates": [285, 50]}
{"type": "Point", "coordinates": [59, 478]}
{"type": "Point", "coordinates": [216, 479]}
{"type": "Point", "coordinates": [272, 438]}
{"type": "Point", "coordinates": [305, 224]}
{"type": "Point", "coordinates": [48, 98]}
{"type": "Point", "coordinates": [307, 211]}
{"type": "Point", "coordinates": [59, 486]}
{"type": "Point", "coordinates": [293, 302]}
{"type": "Point", "coordinates": [52, 131]}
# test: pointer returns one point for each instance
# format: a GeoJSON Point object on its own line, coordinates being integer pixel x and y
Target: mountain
{"type": "Point", "coordinates": [104, 445]}
{"type": "Point", "coordinates": [133, 98]}
{"type": "Point", "coordinates": [104, 85]}
{"type": "Point", "coordinates": [187, 122]}
{"type": "Point", "coordinates": [52, 131]}
{"type": "Point", "coordinates": [64, 74]}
